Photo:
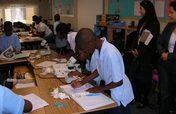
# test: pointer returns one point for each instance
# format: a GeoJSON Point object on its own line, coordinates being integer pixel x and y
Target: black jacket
{"type": "Point", "coordinates": [163, 41]}
{"type": "Point", "coordinates": [145, 52]}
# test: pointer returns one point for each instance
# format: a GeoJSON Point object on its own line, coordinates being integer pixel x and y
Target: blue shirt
{"type": "Point", "coordinates": [10, 102]}
{"type": "Point", "coordinates": [61, 42]}
{"type": "Point", "coordinates": [110, 66]}
{"type": "Point", "coordinates": [7, 41]}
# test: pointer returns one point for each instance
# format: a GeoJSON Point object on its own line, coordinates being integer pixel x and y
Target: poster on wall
{"type": "Point", "coordinates": [63, 7]}
{"type": "Point", "coordinates": [159, 4]}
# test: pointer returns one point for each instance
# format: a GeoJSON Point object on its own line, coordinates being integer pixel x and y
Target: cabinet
{"type": "Point", "coordinates": [110, 35]}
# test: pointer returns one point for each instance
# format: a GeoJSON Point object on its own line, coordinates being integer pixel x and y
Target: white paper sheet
{"type": "Point", "coordinates": [60, 60]}
{"type": "Point", "coordinates": [91, 101]}
{"type": "Point", "coordinates": [24, 85]}
{"type": "Point", "coordinates": [61, 70]}
{"type": "Point", "coordinates": [46, 63]}
{"type": "Point", "coordinates": [36, 101]}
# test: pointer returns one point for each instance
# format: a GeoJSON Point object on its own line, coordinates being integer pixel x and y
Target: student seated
{"type": "Point", "coordinates": [9, 39]}
{"type": "Point", "coordinates": [69, 35]}
{"type": "Point", "coordinates": [10, 103]}
{"type": "Point", "coordinates": [61, 38]}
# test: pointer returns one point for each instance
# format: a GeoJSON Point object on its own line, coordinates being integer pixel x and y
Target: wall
{"type": "Point", "coordinates": [87, 11]}
{"type": "Point", "coordinates": [128, 20]}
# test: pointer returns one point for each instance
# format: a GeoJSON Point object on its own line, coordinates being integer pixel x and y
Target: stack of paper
{"type": "Point", "coordinates": [46, 64]}
{"type": "Point", "coordinates": [80, 96]}
{"type": "Point", "coordinates": [146, 37]}
{"type": "Point", "coordinates": [18, 85]}
{"type": "Point", "coordinates": [36, 101]}
{"type": "Point", "coordinates": [21, 55]}
{"type": "Point", "coordinates": [61, 70]}
{"type": "Point", "coordinates": [7, 54]}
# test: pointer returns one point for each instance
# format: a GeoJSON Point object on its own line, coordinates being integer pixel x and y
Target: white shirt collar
{"type": "Point", "coordinates": [103, 47]}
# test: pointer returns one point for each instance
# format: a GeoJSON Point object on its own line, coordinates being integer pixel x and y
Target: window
{"type": "Point", "coordinates": [9, 12]}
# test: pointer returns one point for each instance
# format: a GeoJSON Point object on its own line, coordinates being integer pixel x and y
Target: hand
{"type": "Point", "coordinates": [134, 52]}
{"type": "Point", "coordinates": [76, 84]}
{"type": "Point", "coordinates": [164, 56]}
{"type": "Point", "coordinates": [14, 49]}
{"type": "Point", "coordinates": [94, 90]}
{"type": "Point", "coordinates": [73, 73]}
{"type": "Point", "coordinates": [60, 56]}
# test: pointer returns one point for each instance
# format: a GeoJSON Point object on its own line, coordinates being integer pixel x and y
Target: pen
{"type": "Point", "coordinates": [60, 105]}
{"type": "Point", "coordinates": [93, 94]}
{"type": "Point", "coordinates": [80, 78]}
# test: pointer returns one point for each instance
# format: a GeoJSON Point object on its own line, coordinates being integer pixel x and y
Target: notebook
{"type": "Point", "coordinates": [21, 55]}
{"type": "Point", "coordinates": [61, 70]}
{"type": "Point", "coordinates": [80, 96]}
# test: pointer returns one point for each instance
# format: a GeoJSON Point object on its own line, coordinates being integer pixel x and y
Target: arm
{"type": "Point", "coordinates": [17, 45]}
{"type": "Point", "coordinates": [162, 39]}
{"type": "Point", "coordinates": [162, 43]}
{"type": "Point", "coordinates": [86, 80]}
{"type": "Point", "coordinates": [67, 56]}
{"type": "Point", "coordinates": [1, 45]}
{"type": "Point", "coordinates": [20, 106]}
{"type": "Point", "coordinates": [27, 106]}
{"type": "Point", "coordinates": [105, 87]}
{"type": "Point", "coordinates": [40, 34]}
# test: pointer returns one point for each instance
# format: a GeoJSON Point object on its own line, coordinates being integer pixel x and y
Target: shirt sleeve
{"type": "Point", "coordinates": [116, 67]}
{"type": "Point", "coordinates": [12, 103]}
{"type": "Point", "coordinates": [17, 44]}
{"type": "Point", "coordinates": [1, 45]}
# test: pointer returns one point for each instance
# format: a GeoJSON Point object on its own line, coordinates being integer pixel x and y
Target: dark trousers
{"type": "Point", "coordinates": [167, 85]}
{"type": "Point", "coordinates": [142, 88]}
{"type": "Point", "coordinates": [121, 109]}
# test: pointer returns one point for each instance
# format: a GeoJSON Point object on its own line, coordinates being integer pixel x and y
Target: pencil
{"type": "Point", "coordinates": [80, 78]}
{"type": "Point", "coordinates": [60, 52]}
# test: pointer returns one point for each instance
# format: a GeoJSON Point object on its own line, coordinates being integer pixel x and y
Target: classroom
{"type": "Point", "coordinates": [117, 55]}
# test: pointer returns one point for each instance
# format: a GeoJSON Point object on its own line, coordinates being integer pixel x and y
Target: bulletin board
{"type": "Point", "coordinates": [63, 7]}
{"type": "Point", "coordinates": [125, 8]}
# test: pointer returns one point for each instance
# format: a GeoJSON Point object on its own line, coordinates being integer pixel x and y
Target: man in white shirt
{"type": "Point", "coordinates": [109, 66]}
{"type": "Point", "coordinates": [43, 30]}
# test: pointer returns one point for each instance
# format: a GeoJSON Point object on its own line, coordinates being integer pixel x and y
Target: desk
{"type": "Point", "coordinates": [5, 64]}
{"type": "Point", "coordinates": [25, 91]}
{"type": "Point", "coordinates": [73, 107]}
{"type": "Point", "coordinates": [31, 42]}
{"type": "Point", "coordinates": [44, 58]}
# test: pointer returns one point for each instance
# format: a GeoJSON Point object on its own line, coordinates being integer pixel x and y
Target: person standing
{"type": "Point", "coordinates": [141, 69]}
{"type": "Point", "coordinates": [109, 66]}
{"type": "Point", "coordinates": [166, 46]}
{"type": "Point", "coordinates": [43, 30]}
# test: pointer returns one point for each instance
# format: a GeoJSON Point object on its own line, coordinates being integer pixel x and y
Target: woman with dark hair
{"type": "Point", "coordinates": [166, 46]}
{"type": "Point", "coordinates": [141, 69]}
